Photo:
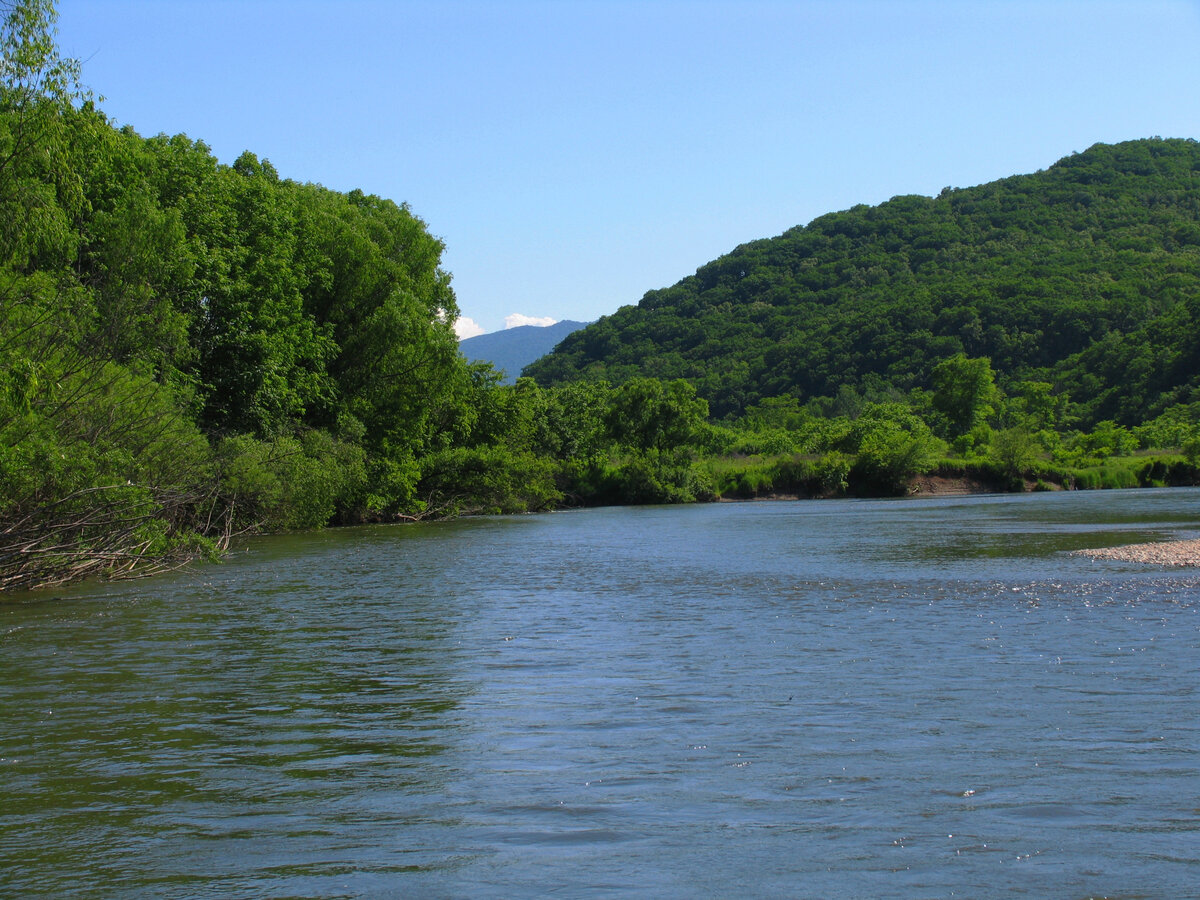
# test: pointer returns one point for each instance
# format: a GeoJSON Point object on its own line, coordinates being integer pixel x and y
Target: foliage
{"type": "Point", "coordinates": [487, 480]}
{"type": "Point", "coordinates": [1177, 426]}
{"type": "Point", "coordinates": [889, 456]}
{"type": "Point", "coordinates": [187, 348]}
{"type": "Point", "coordinates": [653, 415]}
{"type": "Point", "coordinates": [1105, 440]}
{"type": "Point", "coordinates": [658, 476]}
{"type": "Point", "coordinates": [290, 482]}
{"type": "Point", "coordinates": [964, 392]}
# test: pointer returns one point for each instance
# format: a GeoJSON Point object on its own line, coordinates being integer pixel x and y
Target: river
{"type": "Point", "coordinates": [885, 699]}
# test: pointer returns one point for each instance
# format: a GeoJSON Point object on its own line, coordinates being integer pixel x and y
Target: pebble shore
{"type": "Point", "coordinates": [1164, 553]}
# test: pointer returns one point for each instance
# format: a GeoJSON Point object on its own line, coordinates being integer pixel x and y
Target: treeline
{"type": "Point", "coordinates": [1085, 276]}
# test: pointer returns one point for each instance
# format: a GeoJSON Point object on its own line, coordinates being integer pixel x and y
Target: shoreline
{"type": "Point", "coordinates": [922, 486]}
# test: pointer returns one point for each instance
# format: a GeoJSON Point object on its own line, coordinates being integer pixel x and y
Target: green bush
{"type": "Point", "coordinates": [656, 476]}
{"type": "Point", "coordinates": [1191, 450]}
{"type": "Point", "coordinates": [473, 480]}
{"type": "Point", "coordinates": [586, 481]}
{"type": "Point", "coordinates": [832, 472]}
{"type": "Point", "coordinates": [1104, 440]}
{"type": "Point", "coordinates": [1175, 427]}
{"type": "Point", "coordinates": [288, 482]}
{"type": "Point", "coordinates": [890, 456]}
{"type": "Point", "coordinates": [793, 474]}
{"type": "Point", "coordinates": [1015, 451]}
{"type": "Point", "coordinates": [768, 442]}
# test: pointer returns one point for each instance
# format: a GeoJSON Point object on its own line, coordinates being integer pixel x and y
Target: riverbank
{"type": "Point", "coordinates": [1161, 553]}
{"type": "Point", "coordinates": [959, 485]}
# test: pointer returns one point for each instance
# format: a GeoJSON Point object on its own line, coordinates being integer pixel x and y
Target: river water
{"type": "Point", "coordinates": [909, 699]}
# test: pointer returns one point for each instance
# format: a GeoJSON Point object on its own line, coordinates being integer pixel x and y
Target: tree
{"type": "Point", "coordinates": [39, 192]}
{"type": "Point", "coordinates": [1035, 406]}
{"type": "Point", "coordinates": [891, 445]}
{"type": "Point", "coordinates": [964, 392]}
{"type": "Point", "coordinates": [1083, 275]}
{"type": "Point", "coordinates": [263, 355]}
{"type": "Point", "coordinates": [1015, 450]}
{"type": "Point", "coordinates": [889, 456]}
{"type": "Point", "coordinates": [572, 425]}
{"type": "Point", "coordinates": [646, 414]}
{"type": "Point", "coordinates": [101, 470]}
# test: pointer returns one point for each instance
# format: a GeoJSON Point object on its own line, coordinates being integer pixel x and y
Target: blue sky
{"type": "Point", "coordinates": [574, 154]}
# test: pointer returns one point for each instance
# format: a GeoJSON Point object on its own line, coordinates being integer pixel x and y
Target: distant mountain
{"type": "Point", "coordinates": [1085, 275]}
{"type": "Point", "coordinates": [513, 349]}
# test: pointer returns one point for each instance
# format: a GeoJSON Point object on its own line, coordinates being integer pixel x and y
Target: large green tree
{"type": "Point", "coordinates": [648, 414]}
{"type": "Point", "coordinates": [101, 468]}
{"type": "Point", "coordinates": [189, 348]}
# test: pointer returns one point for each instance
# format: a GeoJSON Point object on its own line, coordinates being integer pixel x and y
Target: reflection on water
{"type": "Point", "coordinates": [834, 699]}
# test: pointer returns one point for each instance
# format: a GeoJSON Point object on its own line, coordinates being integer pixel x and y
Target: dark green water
{"type": "Point", "coordinates": [825, 699]}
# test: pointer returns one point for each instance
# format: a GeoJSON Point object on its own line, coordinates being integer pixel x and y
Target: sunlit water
{"type": "Point", "coordinates": [904, 699]}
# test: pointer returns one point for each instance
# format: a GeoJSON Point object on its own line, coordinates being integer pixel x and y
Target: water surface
{"type": "Point", "coordinates": [901, 699]}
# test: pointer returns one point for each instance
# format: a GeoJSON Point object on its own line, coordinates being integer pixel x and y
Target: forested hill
{"type": "Point", "coordinates": [1086, 275]}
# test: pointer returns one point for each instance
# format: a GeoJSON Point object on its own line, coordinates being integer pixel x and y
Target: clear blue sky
{"type": "Point", "coordinates": [574, 154]}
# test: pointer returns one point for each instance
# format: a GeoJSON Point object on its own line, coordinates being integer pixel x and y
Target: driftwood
{"type": "Point", "coordinates": [110, 532]}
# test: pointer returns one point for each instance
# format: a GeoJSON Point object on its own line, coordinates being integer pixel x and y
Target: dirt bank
{"type": "Point", "coordinates": [942, 485]}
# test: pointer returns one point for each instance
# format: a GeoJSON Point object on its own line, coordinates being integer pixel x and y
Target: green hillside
{"type": "Point", "coordinates": [1086, 275]}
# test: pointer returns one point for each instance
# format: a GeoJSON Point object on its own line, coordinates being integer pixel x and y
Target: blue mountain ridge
{"type": "Point", "coordinates": [511, 350]}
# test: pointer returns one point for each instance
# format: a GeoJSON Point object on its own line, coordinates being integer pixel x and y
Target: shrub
{"type": "Point", "coordinates": [1015, 451]}
{"type": "Point", "coordinates": [1191, 450]}
{"type": "Point", "coordinates": [660, 476]}
{"type": "Point", "coordinates": [832, 472]}
{"type": "Point", "coordinates": [768, 442]}
{"type": "Point", "coordinates": [288, 482]}
{"type": "Point", "coordinates": [889, 456]}
{"type": "Point", "coordinates": [472, 480]}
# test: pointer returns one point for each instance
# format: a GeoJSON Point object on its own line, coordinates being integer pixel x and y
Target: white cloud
{"type": "Point", "coordinates": [465, 327]}
{"type": "Point", "coordinates": [517, 319]}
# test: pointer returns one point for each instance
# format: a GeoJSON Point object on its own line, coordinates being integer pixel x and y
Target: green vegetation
{"type": "Point", "coordinates": [190, 351]}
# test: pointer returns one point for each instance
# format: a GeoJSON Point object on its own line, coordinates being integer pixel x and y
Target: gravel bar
{"type": "Point", "coordinates": [1163, 553]}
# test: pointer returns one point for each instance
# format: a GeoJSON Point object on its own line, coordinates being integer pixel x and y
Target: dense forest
{"type": "Point", "coordinates": [1085, 275]}
{"type": "Point", "coordinates": [191, 350]}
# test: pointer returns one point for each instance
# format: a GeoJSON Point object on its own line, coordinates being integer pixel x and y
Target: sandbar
{"type": "Point", "coordinates": [1160, 553]}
